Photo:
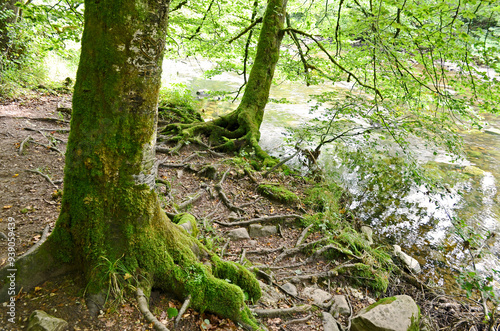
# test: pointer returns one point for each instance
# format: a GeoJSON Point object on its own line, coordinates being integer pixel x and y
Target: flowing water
{"type": "Point", "coordinates": [416, 219]}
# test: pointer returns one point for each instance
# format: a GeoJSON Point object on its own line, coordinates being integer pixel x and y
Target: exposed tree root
{"type": "Point", "coordinates": [192, 200]}
{"type": "Point", "coordinates": [184, 306]}
{"type": "Point", "coordinates": [44, 236]}
{"type": "Point", "coordinates": [299, 320]}
{"type": "Point", "coordinates": [142, 304]}
{"type": "Point", "coordinates": [260, 220]}
{"type": "Point", "coordinates": [42, 119]}
{"type": "Point", "coordinates": [47, 178]}
{"type": "Point", "coordinates": [270, 313]}
{"type": "Point", "coordinates": [48, 147]}
{"type": "Point", "coordinates": [303, 235]}
{"type": "Point", "coordinates": [295, 250]}
{"type": "Point", "coordinates": [21, 146]}
{"type": "Point", "coordinates": [223, 197]}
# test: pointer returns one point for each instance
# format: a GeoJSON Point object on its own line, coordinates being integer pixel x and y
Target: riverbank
{"type": "Point", "coordinates": [221, 191]}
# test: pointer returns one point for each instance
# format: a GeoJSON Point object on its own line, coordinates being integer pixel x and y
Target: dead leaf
{"type": "Point", "coordinates": [37, 288]}
{"type": "Point", "coordinates": [15, 175]}
{"type": "Point", "coordinates": [7, 207]}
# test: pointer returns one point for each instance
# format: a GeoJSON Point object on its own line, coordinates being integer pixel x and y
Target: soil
{"type": "Point", "coordinates": [32, 201]}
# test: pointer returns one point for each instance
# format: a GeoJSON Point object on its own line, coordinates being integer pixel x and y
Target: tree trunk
{"type": "Point", "coordinates": [111, 222]}
{"type": "Point", "coordinates": [242, 125]}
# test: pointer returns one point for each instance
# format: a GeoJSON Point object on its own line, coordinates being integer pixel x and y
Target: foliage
{"type": "Point", "coordinates": [177, 105]}
{"type": "Point", "coordinates": [39, 29]}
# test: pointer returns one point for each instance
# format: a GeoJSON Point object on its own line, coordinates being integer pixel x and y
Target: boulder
{"type": "Point", "coordinates": [257, 230]}
{"type": "Point", "coordinates": [290, 288]}
{"type": "Point", "coordinates": [238, 234]}
{"type": "Point", "coordinates": [407, 260]}
{"type": "Point", "coordinates": [493, 131]}
{"type": "Point", "coordinates": [398, 313]}
{"type": "Point", "coordinates": [329, 323]}
{"type": "Point", "coordinates": [340, 306]}
{"type": "Point", "coordinates": [41, 321]}
{"type": "Point", "coordinates": [473, 171]}
{"type": "Point", "coordinates": [318, 296]}
{"type": "Point", "coordinates": [270, 295]}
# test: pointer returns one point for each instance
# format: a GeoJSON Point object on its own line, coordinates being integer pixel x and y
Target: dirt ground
{"type": "Point", "coordinates": [33, 140]}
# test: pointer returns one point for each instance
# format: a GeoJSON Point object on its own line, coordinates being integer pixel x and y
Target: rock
{"type": "Point", "coordinates": [290, 288]}
{"type": "Point", "coordinates": [41, 321]}
{"type": "Point", "coordinates": [492, 131]}
{"type": "Point", "coordinates": [407, 260]}
{"type": "Point", "coordinates": [340, 306]}
{"type": "Point", "coordinates": [368, 232]}
{"type": "Point", "coordinates": [257, 230]}
{"type": "Point", "coordinates": [252, 243]}
{"type": "Point", "coordinates": [473, 171]}
{"type": "Point", "coordinates": [318, 296]}
{"type": "Point", "coordinates": [270, 295]}
{"type": "Point", "coordinates": [238, 234]}
{"type": "Point", "coordinates": [329, 323]}
{"type": "Point", "coordinates": [399, 313]}
{"type": "Point", "coordinates": [356, 293]}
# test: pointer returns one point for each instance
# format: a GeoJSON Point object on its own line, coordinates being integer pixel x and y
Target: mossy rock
{"type": "Point", "coordinates": [473, 171]}
{"type": "Point", "coordinates": [179, 114]}
{"type": "Point", "coordinates": [278, 193]}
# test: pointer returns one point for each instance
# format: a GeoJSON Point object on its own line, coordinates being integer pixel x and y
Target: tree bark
{"type": "Point", "coordinates": [7, 6]}
{"type": "Point", "coordinates": [111, 223]}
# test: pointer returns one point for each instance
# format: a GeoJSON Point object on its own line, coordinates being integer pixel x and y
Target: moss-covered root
{"type": "Point", "coordinates": [30, 270]}
{"type": "Point", "coordinates": [180, 264]}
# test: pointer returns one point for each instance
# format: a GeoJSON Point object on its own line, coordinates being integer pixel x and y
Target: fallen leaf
{"type": "Point", "coordinates": [15, 175]}
{"type": "Point", "coordinates": [7, 207]}
{"type": "Point", "coordinates": [37, 288]}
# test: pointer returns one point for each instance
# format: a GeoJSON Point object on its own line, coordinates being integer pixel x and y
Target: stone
{"type": "Point", "coordinates": [398, 313]}
{"type": "Point", "coordinates": [492, 131]}
{"type": "Point", "coordinates": [411, 263]}
{"type": "Point", "coordinates": [188, 227]}
{"type": "Point", "coordinates": [252, 243]}
{"type": "Point", "coordinates": [270, 295]}
{"type": "Point", "coordinates": [257, 230]}
{"type": "Point", "coordinates": [340, 306]}
{"type": "Point", "coordinates": [290, 288]}
{"type": "Point", "coordinates": [41, 321]}
{"type": "Point", "coordinates": [238, 234]}
{"type": "Point", "coordinates": [329, 323]}
{"type": "Point", "coordinates": [473, 171]}
{"type": "Point", "coordinates": [318, 296]}
{"type": "Point", "coordinates": [368, 232]}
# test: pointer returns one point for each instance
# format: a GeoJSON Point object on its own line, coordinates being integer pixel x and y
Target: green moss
{"type": "Point", "coordinates": [187, 218]}
{"type": "Point", "coordinates": [366, 275]}
{"type": "Point", "coordinates": [278, 193]}
{"type": "Point", "coordinates": [384, 301]}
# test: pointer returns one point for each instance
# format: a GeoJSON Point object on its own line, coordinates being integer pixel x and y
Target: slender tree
{"type": "Point", "coordinates": [110, 211]}
{"type": "Point", "coordinates": [242, 126]}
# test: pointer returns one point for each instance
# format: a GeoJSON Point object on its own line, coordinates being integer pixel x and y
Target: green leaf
{"type": "Point", "coordinates": [172, 312]}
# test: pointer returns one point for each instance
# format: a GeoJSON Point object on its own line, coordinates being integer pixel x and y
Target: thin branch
{"type": "Point", "coordinates": [44, 176]}
{"type": "Point", "coordinates": [248, 28]}
{"type": "Point", "coordinates": [260, 220]}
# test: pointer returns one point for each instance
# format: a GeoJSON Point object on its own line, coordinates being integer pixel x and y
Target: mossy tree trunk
{"type": "Point", "coordinates": [242, 126]}
{"type": "Point", "coordinates": [110, 211]}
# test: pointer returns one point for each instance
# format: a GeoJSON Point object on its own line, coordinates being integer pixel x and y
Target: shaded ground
{"type": "Point", "coordinates": [32, 200]}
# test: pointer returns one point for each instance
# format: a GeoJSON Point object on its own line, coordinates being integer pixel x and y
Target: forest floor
{"type": "Point", "coordinates": [33, 139]}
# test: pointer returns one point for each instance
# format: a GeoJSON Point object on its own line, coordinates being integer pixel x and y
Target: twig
{"type": "Point", "coordinates": [224, 248]}
{"type": "Point", "coordinates": [266, 250]}
{"type": "Point", "coordinates": [281, 163]}
{"type": "Point", "coordinates": [44, 176]}
{"type": "Point", "coordinates": [281, 312]}
{"type": "Point", "coordinates": [46, 129]}
{"type": "Point", "coordinates": [142, 304]}
{"type": "Point", "coordinates": [303, 235]}
{"type": "Point", "coordinates": [185, 306]}
{"type": "Point", "coordinates": [22, 144]}
{"type": "Point", "coordinates": [48, 146]}
{"type": "Point", "coordinates": [43, 119]}
{"type": "Point", "coordinates": [260, 220]}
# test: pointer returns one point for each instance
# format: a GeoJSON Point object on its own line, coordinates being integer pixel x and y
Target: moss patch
{"type": "Point", "coordinates": [278, 193]}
